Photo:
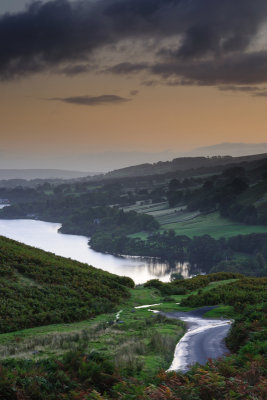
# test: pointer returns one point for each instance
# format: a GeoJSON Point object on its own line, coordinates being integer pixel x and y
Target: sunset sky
{"type": "Point", "coordinates": [131, 75]}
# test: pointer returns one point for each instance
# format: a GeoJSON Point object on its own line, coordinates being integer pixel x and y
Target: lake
{"type": "Point", "coordinates": [45, 236]}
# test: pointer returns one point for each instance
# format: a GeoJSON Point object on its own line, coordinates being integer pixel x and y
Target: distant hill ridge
{"type": "Point", "coordinates": [181, 164]}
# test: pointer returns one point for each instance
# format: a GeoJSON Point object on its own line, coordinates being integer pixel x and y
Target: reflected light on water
{"type": "Point", "coordinates": [45, 236]}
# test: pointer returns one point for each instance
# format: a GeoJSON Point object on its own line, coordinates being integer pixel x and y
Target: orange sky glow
{"type": "Point", "coordinates": [105, 75]}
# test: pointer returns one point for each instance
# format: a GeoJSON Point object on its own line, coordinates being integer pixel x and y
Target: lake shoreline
{"type": "Point", "coordinates": [46, 236]}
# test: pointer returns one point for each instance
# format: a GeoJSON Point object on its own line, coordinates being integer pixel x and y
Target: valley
{"type": "Point", "coordinates": [93, 329]}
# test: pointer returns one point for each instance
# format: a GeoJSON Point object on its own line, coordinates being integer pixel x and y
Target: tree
{"type": "Point", "coordinates": [176, 276]}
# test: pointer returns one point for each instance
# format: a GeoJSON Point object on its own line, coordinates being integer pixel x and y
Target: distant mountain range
{"type": "Point", "coordinates": [231, 149]}
{"type": "Point", "coordinates": [29, 174]}
{"type": "Point", "coordinates": [71, 166]}
{"type": "Point", "coordinates": [111, 160]}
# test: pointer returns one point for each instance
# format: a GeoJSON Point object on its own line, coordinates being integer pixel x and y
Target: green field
{"type": "Point", "coordinates": [163, 213]}
{"type": "Point", "coordinates": [221, 312]}
{"type": "Point", "coordinates": [191, 223]}
{"type": "Point", "coordinates": [148, 208]}
{"type": "Point", "coordinates": [213, 225]}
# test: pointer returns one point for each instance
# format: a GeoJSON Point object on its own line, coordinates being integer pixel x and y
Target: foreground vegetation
{"type": "Point", "coordinates": [123, 360]}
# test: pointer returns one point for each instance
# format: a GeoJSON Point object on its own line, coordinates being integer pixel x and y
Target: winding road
{"type": "Point", "coordinates": [204, 339]}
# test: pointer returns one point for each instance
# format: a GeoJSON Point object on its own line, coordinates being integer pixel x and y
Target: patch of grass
{"type": "Point", "coordinates": [25, 281]}
{"type": "Point", "coordinates": [139, 235]}
{"type": "Point", "coordinates": [143, 296]}
{"type": "Point", "coordinates": [163, 214]}
{"type": "Point", "coordinates": [212, 285]}
{"type": "Point", "coordinates": [221, 312]}
{"type": "Point", "coordinates": [170, 307]}
{"type": "Point", "coordinates": [22, 335]}
{"type": "Point", "coordinates": [147, 208]}
{"type": "Point", "coordinates": [176, 216]}
{"type": "Point", "coordinates": [152, 363]}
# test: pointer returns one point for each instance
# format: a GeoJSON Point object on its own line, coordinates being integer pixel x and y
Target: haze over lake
{"type": "Point", "coordinates": [45, 236]}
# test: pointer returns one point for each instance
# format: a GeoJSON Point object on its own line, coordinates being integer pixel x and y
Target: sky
{"type": "Point", "coordinates": [93, 76]}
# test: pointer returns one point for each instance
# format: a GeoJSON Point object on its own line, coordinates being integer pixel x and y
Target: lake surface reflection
{"type": "Point", "coordinates": [45, 236]}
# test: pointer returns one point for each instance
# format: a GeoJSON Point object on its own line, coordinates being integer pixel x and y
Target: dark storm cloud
{"type": "Point", "coordinates": [92, 100]}
{"type": "Point", "coordinates": [208, 40]}
{"type": "Point", "coordinates": [262, 93]}
{"type": "Point", "coordinates": [241, 69]}
{"type": "Point", "coordinates": [73, 70]}
{"type": "Point", "coordinates": [127, 68]}
{"type": "Point", "coordinates": [245, 89]}
{"type": "Point", "coordinates": [134, 92]}
{"type": "Point", "coordinates": [47, 35]}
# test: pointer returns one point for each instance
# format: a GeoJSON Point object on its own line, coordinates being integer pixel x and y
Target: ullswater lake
{"type": "Point", "coordinates": [45, 236]}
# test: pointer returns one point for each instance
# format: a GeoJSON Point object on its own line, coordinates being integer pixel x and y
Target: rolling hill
{"type": "Point", "coordinates": [183, 164]}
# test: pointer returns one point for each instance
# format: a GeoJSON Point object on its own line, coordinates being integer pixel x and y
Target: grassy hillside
{"type": "Point", "coordinates": [39, 288]}
{"type": "Point", "coordinates": [106, 335]}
